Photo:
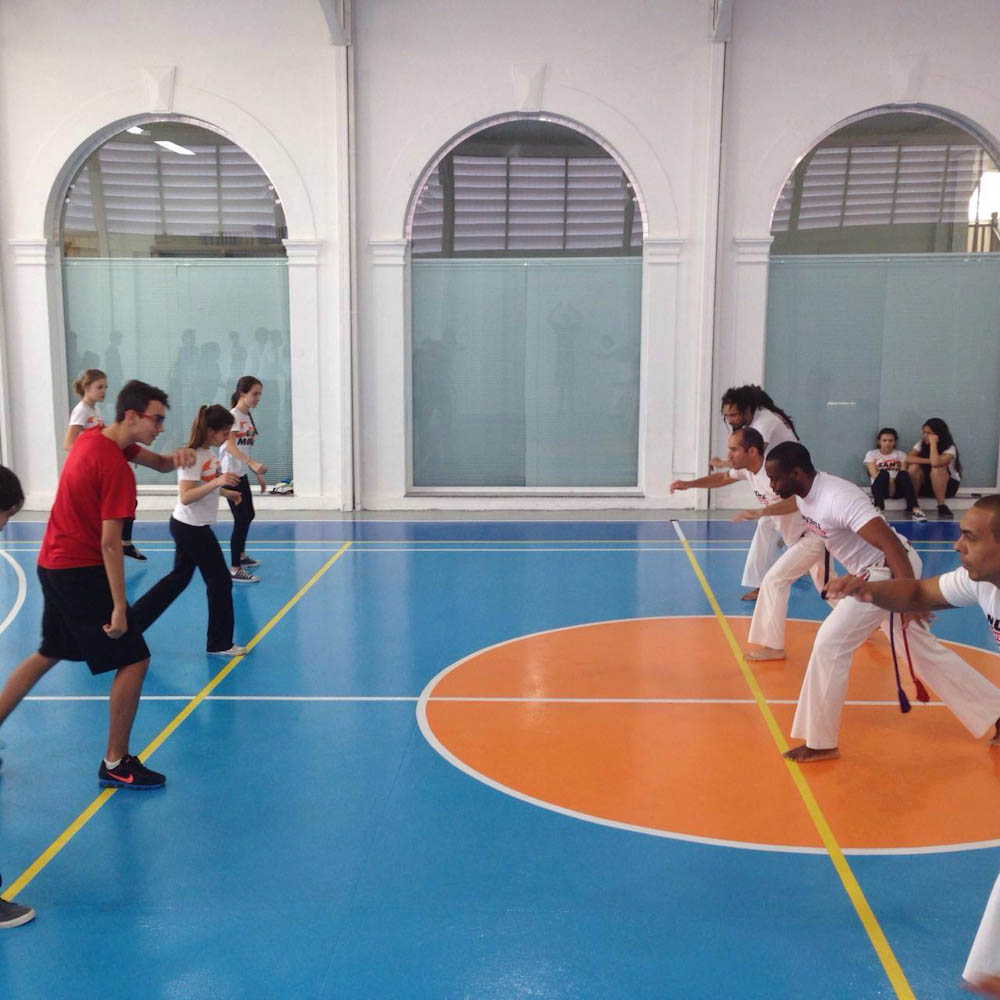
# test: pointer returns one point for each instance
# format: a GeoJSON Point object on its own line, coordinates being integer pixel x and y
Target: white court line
{"type": "Point", "coordinates": [519, 699]}
{"type": "Point", "coordinates": [22, 591]}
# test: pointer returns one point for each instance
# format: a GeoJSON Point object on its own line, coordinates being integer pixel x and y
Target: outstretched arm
{"type": "Point", "coordinates": [918, 596]}
{"type": "Point", "coordinates": [712, 482]}
{"type": "Point", "coordinates": [179, 458]}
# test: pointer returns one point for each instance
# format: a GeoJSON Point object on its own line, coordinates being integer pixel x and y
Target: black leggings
{"type": "Point", "coordinates": [198, 547]}
{"type": "Point", "coordinates": [243, 514]}
{"type": "Point", "coordinates": [904, 488]}
{"type": "Point", "coordinates": [127, 530]}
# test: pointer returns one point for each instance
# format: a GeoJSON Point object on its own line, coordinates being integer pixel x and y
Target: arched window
{"type": "Point", "coordinates": [175, 273]}
{"type": "Point", "coordinates": [526, 287]}
{"type": "Point", "coordinates": [884, 291]}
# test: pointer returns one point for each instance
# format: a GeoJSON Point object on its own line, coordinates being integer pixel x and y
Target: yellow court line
{"type": "Point", "coordinates": [81, 821]}
{"type": "Point", "coordinates": [865, 913]}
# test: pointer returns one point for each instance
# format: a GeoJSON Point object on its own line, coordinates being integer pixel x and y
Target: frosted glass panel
{"type": "Point", "coordinates": [859, 342]}
{"type": "Point", "coordinates": [526, 372]}
{"type": "Point", "coordinates": [192, 327]}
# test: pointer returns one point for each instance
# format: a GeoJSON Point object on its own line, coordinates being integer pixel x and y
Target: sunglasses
{"type": "Point", "coordinates": [157, 418]}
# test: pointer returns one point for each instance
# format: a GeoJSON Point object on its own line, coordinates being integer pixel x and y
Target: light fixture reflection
{"type": "Point", "coordinates": [985, 198]}
{"type": "Point", "coordinates": [173, 147]}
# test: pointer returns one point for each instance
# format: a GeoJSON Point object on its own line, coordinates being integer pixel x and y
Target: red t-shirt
{"type": "Point", "coordinates": [96, 485]}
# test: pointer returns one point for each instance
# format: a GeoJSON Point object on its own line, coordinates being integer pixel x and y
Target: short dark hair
{"type": "Point", "coordinates": [751, 438]}
{"type": "Point", "coordinates": [11, 494]}
{"type": "Point", "coordinates": [136, 395]}
{"type": "Point", "coordinates": [887, 430]}
{"type": "Point", "coordinates": [792, 455]}
{"type": "Point", "coordinates": [991, 503]}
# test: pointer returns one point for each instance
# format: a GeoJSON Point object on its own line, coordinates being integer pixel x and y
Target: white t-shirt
{"type": "Point", "coordinates": [890, 463]}
{"type": "Point", "coordinates": [204, 470]}
{"type": "Point", "coordinates": [772, 428]}
{"type": "Point", "coordinates": [961, 592]}
{"type": "Point", "coordinates": [245, 434]}
{"type": "Point", "coordinates": [836, 510]}
{"type": "Point", "coordinates": [791, 526]}
{"type": "Point", "coordinates": [86, 416]}
{"type": "Point", "coordinates": [952, 454]}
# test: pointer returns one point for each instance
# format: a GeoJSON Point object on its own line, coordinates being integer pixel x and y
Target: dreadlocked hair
{"type": "Point", "coordinates": [753, 397]}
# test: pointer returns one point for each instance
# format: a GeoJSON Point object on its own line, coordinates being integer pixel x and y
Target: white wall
{"type": "Point", "coordinates": [645, 77]}
{"type": "Point", "coordinates": [262, 73]}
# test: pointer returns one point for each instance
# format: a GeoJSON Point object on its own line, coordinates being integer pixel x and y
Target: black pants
{"type": "Point", "coordinates": [196, 547]}
{"type": "Point", "coordinates": [127, 530]}
{"type": "Point", "coordinates": [243, 514]}
{"type": "Point", "coordinates": [904, 488]}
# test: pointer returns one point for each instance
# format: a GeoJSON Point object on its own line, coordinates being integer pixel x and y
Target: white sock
{"type": "Point", "coordinates": [111, 766]}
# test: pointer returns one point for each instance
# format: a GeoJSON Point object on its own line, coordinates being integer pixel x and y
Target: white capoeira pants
{"type": "Point", "coordinates": [764, 550]}
{"type": "Point", "coordinates": [807, 555]}
{"type": "Point", "coordinates": [984, 958]}
{"type": "Point", "coordinates": [973, 699]}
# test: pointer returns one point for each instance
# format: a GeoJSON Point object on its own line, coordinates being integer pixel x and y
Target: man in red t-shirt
{"type": "Point", "coordinates": [81, 569]}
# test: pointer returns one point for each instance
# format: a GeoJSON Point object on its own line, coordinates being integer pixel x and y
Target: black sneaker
{"type": "Point", "coordinates": [944, 511]}
{"type": "Point", "coordinates": [14, 914]}
{"type": "Point", "coordinates": [249, 561]}
{"type": "Point", "coordinates": [130, 774]}
{"type": "Point", "coordinates": [132, 552]}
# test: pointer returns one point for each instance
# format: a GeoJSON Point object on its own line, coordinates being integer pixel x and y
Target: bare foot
{"type": "Point", "coordinates": [987, 987]}
{"type": "Point", "coordinates": [806, 755]}
{"type": "Point", "coordinates": [751, 595]}
{"type": "Point", "coordinates": [764, 653]}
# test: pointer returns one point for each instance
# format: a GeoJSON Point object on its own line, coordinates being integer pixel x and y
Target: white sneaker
{"type": "Point", "coordinates": [234, 650]}
{"type": "Point", "coordinates": [240, 575]}
{"type": "Point", "coordinates": [918, 515]}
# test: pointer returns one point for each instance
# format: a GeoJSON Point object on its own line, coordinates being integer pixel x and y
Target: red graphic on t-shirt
{"type": "Point", "coordinates": [209, 470]}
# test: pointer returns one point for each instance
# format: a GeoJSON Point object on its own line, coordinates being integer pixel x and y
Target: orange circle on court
{"type": "Point", "coordinates": [650, 723]}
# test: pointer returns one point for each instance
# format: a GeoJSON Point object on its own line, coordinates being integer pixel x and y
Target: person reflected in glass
{"type": "Point", "coordinates": [113, 360]}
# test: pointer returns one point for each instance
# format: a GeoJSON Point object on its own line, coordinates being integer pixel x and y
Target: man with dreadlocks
{"type": "Point", "coordinates": [859, 538]}
{"type": "Point", "coordinates": [976, 581]}
{"type": "Point", "coordinates": [750, 406]}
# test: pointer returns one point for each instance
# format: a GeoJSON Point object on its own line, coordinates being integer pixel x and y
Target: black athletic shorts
{"type": "Point", "coordinates": [78, 605]}
{"type": "Point", "coordinates": [927, 488]}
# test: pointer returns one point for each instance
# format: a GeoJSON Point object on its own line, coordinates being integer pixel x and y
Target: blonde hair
{"type": "Point", "coordinates": [87, 378]}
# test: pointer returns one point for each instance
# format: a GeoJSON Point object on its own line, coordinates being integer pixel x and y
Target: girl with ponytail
{"type": "Point", "coordinates": [191, 526]}
{"type": "Point", "coordinates": [91, 385]}
{"type": "Point", "coordinates": [236, 459]}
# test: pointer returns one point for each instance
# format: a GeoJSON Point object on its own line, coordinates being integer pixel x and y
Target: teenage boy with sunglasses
{"type": "Point", "coordinates": [81, 569]}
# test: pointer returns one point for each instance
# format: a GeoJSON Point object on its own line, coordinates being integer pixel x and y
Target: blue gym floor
{"type": "Point", "coordinates": [311, 843]}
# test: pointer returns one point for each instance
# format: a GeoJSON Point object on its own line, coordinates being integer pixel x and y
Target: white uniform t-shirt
{"type": "Point", "coordinates": [86, 416]}
{"type": "Point", "coordinates": [961, 592]}
{"type": "Point", "coordinates": [791, 526]}
{"type": "Point", "coordinates": [204, 470]}
{"type": "Point", "coordinates": [836, 509]}
{"type": "Point", "coordinates": [245, 434]}
{"type": "Point", "coordinates": [951, 452]}
{"type": "Point", "coordinates": [772, 428]}
{"type": "Point", "coordinates": [890, 463]}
